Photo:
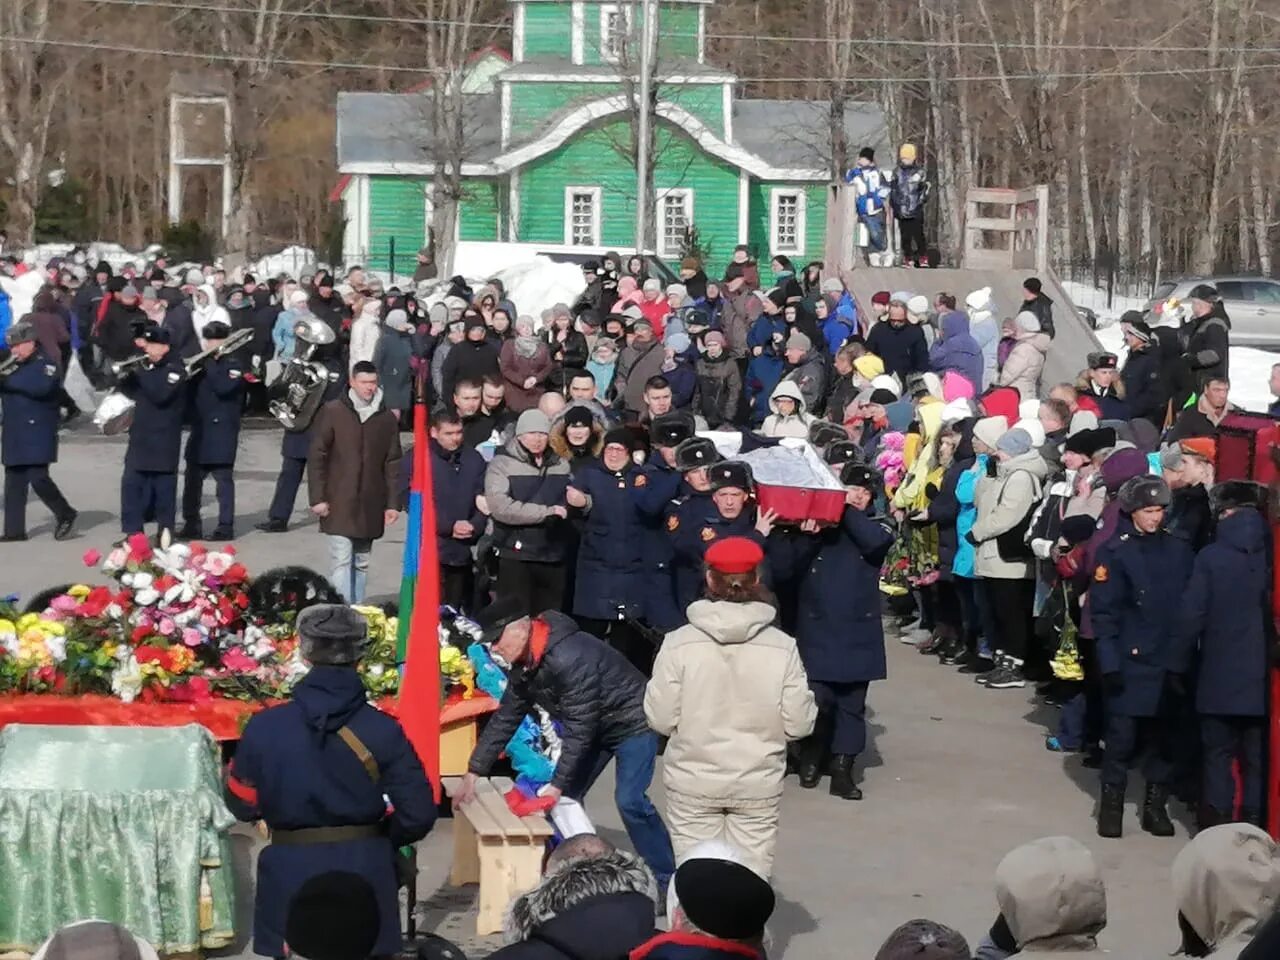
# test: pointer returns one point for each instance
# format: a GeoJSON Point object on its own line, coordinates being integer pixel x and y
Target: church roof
{"type": "Point", "coordinates": [795, 133]}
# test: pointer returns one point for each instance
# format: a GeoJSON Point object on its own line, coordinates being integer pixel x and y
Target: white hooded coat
{"type": "Point", "coordinates": [1051, 895]}
{"type": "Point", "coordinates": [795, 425]}
{"type": "Point", "coordinates": [365, 331]}
{"type": "Point", "coordinates": [202, 316]}
{"type": "Point", "coordinates": [1226, 883]}
{"type": "Point", "coordinates": [730, 691]}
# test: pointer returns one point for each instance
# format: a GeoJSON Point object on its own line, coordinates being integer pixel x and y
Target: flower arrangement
{"type": "Point", "coordinates": [185, 623]}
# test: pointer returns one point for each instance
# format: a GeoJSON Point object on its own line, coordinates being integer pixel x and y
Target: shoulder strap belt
{"type": "Point", "coordinates": [361, 751]}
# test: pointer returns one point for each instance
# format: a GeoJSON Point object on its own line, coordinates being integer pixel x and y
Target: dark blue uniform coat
{"type": "Point", "coordinates": [293, 771]}
{"type": "Point", "coordinates": [1225, 610]}
{"type": "Point", "coordinates": [611, 549]}
{"type": "Point", "coordinates": [457, 478]}
{"type": "Point", "coordinates": [155, 438]}
{"type": "Point", "coordinates": [654, 490]}
{"type": "Point", "coordinates": [28, 397]}
{"type": "Point", "coordinates": [688, 576]}
{"type": "Point", "coordinates": [219, 399]}
{"type": "Point", "coordinates": [1135, 617]}
{"type": "Point", "coordinates": [838, 630]}
{"type": "Point", "coordinates": [692, 535]}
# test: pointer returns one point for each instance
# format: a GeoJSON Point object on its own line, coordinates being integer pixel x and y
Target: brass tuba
{"type": "Point", "coordinates": [296, 396]}
{"type": "Point", "coordinates": [236, 340]}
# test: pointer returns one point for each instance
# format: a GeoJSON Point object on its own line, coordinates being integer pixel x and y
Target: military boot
{"type": "Point", "coordinates": [1155, 815]}
{"type": "Point", "coordinates": [1111, 812]}
{"type": "Point", "coordinates": [842, 784]}
{"type": "Point", "coordinates": [812, 752]}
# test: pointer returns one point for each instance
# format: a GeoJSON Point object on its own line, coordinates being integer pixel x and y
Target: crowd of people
{"type": "Point", "coordinates": [1065, 534]}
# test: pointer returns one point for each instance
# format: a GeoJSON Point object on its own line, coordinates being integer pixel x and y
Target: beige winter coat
{"type": "Point", "coordinates": [1002, 502]}
{"type": "Point", "coordinates": [729, 690]}
{"type": "Point", "coordinates": [1050, 893]}
{"type": "Point", "coordinates": [1025, 363]}
{"type": "Point", "coordinates": [1226, 882]}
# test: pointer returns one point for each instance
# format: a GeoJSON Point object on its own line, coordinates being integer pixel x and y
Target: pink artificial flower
{"type": "Point", "coordinates": [208, 620]}
{"type": "Point", "coordinates": [191, 637]}
{"type": "Point", "coordinates": [91, 557]}
{"type": "Point", "coordinates": [139, 547]}
{"type": "Point", "coordinates": [217, 563]}
{"type": "Point", "coordinates": [64, 604]}
{"type": "Point", "coordinates": [237, 661]}
{"type": "Point", "coordinates": [167, 627]}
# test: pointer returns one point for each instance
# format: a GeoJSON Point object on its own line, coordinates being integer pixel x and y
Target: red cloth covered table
{"type": "Point", "coordinates": [222, 718]}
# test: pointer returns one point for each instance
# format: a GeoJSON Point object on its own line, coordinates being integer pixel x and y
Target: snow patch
{"type": "Point", "coordinates": [22, 291]}
{"type": "Point", "coordinates": [290, 260]}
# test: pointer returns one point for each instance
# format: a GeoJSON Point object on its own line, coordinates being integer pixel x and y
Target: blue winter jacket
{"type": "Point", "coordinates": [966, 515]}
{"type": "Point", "coordinates": [957, 350]}
{"type": "Point", "coordinates": [763, 371]}
{"type": "Point", "coordinates": [6, 314]}
{"type": "Point", "coordinates": [611, 551]}
{"type": "Point", "coordinates": [1225, 614]}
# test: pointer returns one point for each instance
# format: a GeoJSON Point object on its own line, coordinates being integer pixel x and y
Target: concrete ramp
{"type": "Point", "coordinates": [1073, 339]}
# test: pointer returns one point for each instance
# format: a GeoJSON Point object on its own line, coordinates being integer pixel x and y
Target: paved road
{"type": "Point", "coordinates": [957, 775]}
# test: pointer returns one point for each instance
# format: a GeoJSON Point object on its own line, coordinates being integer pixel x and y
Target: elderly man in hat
{"type": "Point", "coordinates": [527, 488]}
{"type": "Point", "coordinates": [150, 480]}
{"type": "Point", "coordinates": [717, 904]}
{"type": "Point", "coordinates": [1140, 660]}
{"type": "Point", "coordinates": [29, 391]}
{"type": "Point", "coordinates": [597, 698]}
{"type": "Point", "coordinates": [335, 780]}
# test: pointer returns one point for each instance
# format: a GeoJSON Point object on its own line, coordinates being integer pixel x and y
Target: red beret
{"type": "Point", "coordinates": [734, 555]}
{"type": "Point", "coordinates": [881, 297]}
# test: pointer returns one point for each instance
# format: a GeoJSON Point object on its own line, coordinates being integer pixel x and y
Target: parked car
{"type": "Point", "coordinates": [1252, 303]}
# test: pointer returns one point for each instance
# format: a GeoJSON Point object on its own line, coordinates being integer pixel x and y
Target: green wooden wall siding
{"type": "Point", "coordinates": [478, 211]}
{"type": "Point", "coordinates": [397, 209]}
{"type": "Point", "coordinates": [547, 33]}
{"type": "Point", "coordinates": [760, 196]}
{"type": "Point", "coordinates": [589, 159]}
{"type": "Point", "coordinates": [532, 104]}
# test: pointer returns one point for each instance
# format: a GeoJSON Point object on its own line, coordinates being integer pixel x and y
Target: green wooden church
{"type": "Point", "coordinates": [548, 132]}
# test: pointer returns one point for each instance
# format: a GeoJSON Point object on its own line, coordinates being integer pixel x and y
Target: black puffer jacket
{"type": "Point", "coordinates": [590, 688]}
{"type": "Point", "coordinates": [600, 908]}
{"type": "Point", "coordinates": [1206, 345]}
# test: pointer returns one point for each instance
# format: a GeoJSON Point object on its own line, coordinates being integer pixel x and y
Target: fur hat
{"type": "Point", "coordinates": [696, 452]}
{"type": "Point", "coordinates": [842, 452]}
{"type": "Point", "coordinates": [1236, 494]}
{"type": "Point", "coordinates": [924, 940]}
{"type": "Point", "coordinates": [332, 634]}
{"type": "Point", "coordinates": [1089, 442]}
{"type": "Point", "coordinates": [21, 332]}
{"type": "Point", "coordinates": [822, 433]}
{"type": "Point", "coordinates": [573, 883]}
{"type": "Point", "coordinates": [731, 473]}
{"type": "Point", "coordinates": [333, 916]}
{"type": "Point", "coordinates": [1137, 493]}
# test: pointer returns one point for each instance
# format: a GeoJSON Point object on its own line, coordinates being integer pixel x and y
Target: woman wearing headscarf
{"type": "Point", "coordinates": [525, 363]}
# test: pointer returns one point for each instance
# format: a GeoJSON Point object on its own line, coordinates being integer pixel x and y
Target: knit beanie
{"type": "Point", "coordinates": [1016, 442]}
{"type": "Point", "coordinates": [1028, 322]}
{"type": "Point", "coordinates": [990, 429]}
{"type": "Point", "coordinates": [869, 366]}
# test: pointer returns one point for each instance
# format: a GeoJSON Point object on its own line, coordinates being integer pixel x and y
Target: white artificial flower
{"type": "Point", "coordinates": [146, 597]}
{"type": "Point", "coordinates": [57, 646]}
{"type": "Point", "coordinates": [141, 580]}
{"type": "Point", "coordinates": [126, 680]}
{"type": "Point", "coordinates": [376, 670]}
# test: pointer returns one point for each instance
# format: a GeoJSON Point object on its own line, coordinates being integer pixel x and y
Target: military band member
{"type": "Point", "coordinates": [215, 434]}
{"type": "Point", "coordinates": [150, 482]}
{"type": "Point", "coordinates": [29, 392]}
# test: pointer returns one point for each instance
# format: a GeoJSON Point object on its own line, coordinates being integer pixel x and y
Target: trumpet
{"type": "Point", "coordinates": [234, 342]}
{"type": "Point", "coordinates": [121, 366]}
{"type": "Point", "coordinates": [9, 365]}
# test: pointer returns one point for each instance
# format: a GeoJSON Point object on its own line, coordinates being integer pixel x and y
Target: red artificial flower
{"type": "Point", "coordinates": [236, 573]}
{"type": "Point", "coordinates": [148, 694]}
{"type": "Point", "coordinates": [91, 557]}
{"type": "Point", "coordinates": [140, 633]}
{"type": "Point", "coordinates": [198, 550]}
{"type": "Point", "coordinates": [139, 547]}
{"type": "Point", "coordinates": [60, 683]}
{"type": "Point", "coordinates": [242, 601]}
{"type": "Point", "coordinates": [95, 603]}
{"type": "Point", "coordinates": [237, 661]}
{"type": "Point", "coordinates": [195, 690]}
{"type": "Point", "coordinates": [230, 548]}
{"type": "Point", "coordinates": [46, 674]}
{"type": "Point", "coordinates": [150, 654]}
{"type": "Point", "coordinates": [164, 582]}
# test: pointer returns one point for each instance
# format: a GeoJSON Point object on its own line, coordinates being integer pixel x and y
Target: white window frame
{"type": "Point", "coordinates": [660, 210]}
{"type": "Point", "coordinates": [802, 202]}
{"type": "Point", "coordinates": [606, 9]}
{"type": "Point", "coordinates": [597, 206]}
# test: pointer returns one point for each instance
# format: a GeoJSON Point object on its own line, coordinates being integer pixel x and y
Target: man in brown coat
{"type": "Point", "coordinates": [352, 477]}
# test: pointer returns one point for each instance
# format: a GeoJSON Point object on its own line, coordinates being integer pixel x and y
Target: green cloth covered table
{"type": "Point", "coordinates": [125, 824]}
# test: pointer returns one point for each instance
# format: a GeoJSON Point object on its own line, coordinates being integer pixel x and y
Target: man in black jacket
{"type": "Point", "coordinates": [1144, 385]}
{"type": "Point", "coordinates": [457, 473]}
{"type": "Point", "coordinates": [597, 697]}
{"type": "Point", "coordinates": [1205, 339]}
{"type": "Point", "coordinates": [1035, 302]}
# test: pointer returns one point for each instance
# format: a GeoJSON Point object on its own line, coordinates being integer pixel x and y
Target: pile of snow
{"type": "Point", "coordinates": [540, 284]}
{"type": "Point", "coordinates": [290, 260]}
{"type": "Point", "coordinates": [1083, 295]}
{"type": "Point", "coordinates": [22, 291]}
{"type": "Point", "coordinates": [115, 254]}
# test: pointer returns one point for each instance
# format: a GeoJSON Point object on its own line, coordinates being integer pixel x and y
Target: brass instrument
{"type": "Point", "coordinates": [234, 342]}
{"type": "Point", "coordinates": [297, 394]}
{"type": "Point", "coordinates": [123, 366]}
